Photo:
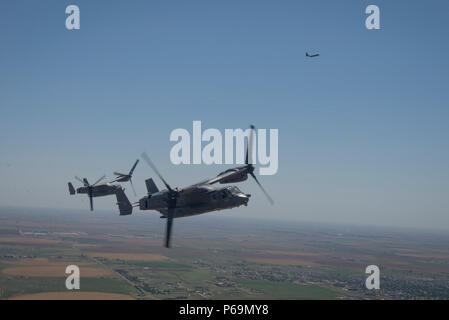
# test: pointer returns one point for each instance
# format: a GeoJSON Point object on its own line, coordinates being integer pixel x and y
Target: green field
{"type": "Point", "coordinates": [215, 258]}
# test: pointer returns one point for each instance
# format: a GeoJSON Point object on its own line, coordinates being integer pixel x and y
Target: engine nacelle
{"type": "Point", "coordinates": [236, 178]}
{"type": "Point", "coordinates": [153, 202]}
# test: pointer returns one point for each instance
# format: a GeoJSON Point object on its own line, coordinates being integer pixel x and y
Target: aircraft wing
{"type": "Point", "coordinates": [116, 179]}
{"type": "Point", "coordinates": [112, 181]}
{"type": "Point", "coordinates": [222, 176]}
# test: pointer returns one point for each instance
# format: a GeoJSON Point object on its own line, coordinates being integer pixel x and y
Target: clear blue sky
{"type": "Point", "coordinates": [363, 129]}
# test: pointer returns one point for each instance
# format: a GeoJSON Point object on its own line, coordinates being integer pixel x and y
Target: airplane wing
{"type": "Point", "coordinates": [222, 176]}
{"type": "Point", "coordinates": [112, 181]}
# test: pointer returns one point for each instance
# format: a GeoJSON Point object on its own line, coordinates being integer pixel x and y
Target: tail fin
{"type": "Point", "coordinates": [71, 189]}
{"type": "Point", "coordinates": [307, 54]}
{"type": "Point", "coordinates": [123, 203]}
{"type": "Point", "coordinates": [151, 186]}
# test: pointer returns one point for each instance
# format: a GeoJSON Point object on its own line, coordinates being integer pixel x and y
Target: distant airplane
{"type": "Point", "coordinates": [312, 55]}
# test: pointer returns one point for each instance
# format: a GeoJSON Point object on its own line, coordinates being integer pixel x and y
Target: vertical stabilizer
{"type": "Point", "coordinates": [151, 186]}
{"type": "Point", "coordinates": [123, 203]}
{"type": "Point", "coordinates": [71, 189]}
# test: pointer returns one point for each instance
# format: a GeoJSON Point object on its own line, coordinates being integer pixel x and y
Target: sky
{"type": "Point", "coordinates": [363, 128]}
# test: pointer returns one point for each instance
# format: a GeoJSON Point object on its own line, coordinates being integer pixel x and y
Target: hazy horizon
{"type": "Point", "coordinates": [223, 215]}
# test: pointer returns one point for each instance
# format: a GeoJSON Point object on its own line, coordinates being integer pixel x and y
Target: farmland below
{"type": "Point", "coordinates": [213, 257]}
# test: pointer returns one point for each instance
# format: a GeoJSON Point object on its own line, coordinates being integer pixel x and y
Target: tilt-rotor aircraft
{"type": "Point", "coordinates": [106, 189]}
{"type": "Point", "coordinates": [196, 199]}
{"type": "Point", "coordinates": [95, 190]}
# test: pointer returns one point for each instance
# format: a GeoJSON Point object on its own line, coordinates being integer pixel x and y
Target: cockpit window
{"type": "Point", "coordinates": [234, 190]}
{"type": "Point", "coordinates": [225, 193]}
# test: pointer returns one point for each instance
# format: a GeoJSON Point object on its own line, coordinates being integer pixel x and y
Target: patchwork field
{"type": "Point", "coordinates": [213, 257]}
{"type": "Point", "coordinates": [73, 296]}
{"type": "Point", "coordinates": [282, 261]}
{"type": "Point", "coordinates": [53, 270]}
{"type": "Point", "coordinates": [128, 256]}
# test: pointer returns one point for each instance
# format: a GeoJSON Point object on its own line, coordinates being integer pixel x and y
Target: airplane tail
{"type": "Point", "coordinates": [151, 186]}
{"type": "Point", "coordinates": [123, 203]}
{"type": "Point", "coordinates": [71, 189]}
{"type": "Point", "coordinates": [307, 54]}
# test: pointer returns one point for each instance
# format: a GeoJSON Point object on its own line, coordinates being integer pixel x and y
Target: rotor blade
{"type": "Point", "coordinates": [249, 156]}
{"type": "Point", "coordinates": [132, 186]}
{"type": "Point", "coordinates": [134, 167]}
{"type": "Point", "coordinates": [266, 194]}
{"type": "Point", "coordinates": [169, 227]}
{"type": "Point", "coordinates": [91, 200]}
{"type": "Point", "coordinates": [99, 180]}
{"type": "Point", "coordinates": [86, 183]}
{"type": "Point", "coordinates": [120, 174]}
{"type": "Point", "coordinates": [150, 163]}
{"type": "Point", "coordinates": [79, 179]}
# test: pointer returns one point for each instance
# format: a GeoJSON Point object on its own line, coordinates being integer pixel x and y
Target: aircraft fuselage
{"type": "Point", "coordinates": [196, 201]}
{"type": "Point", "coordinates": [99, 191]}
